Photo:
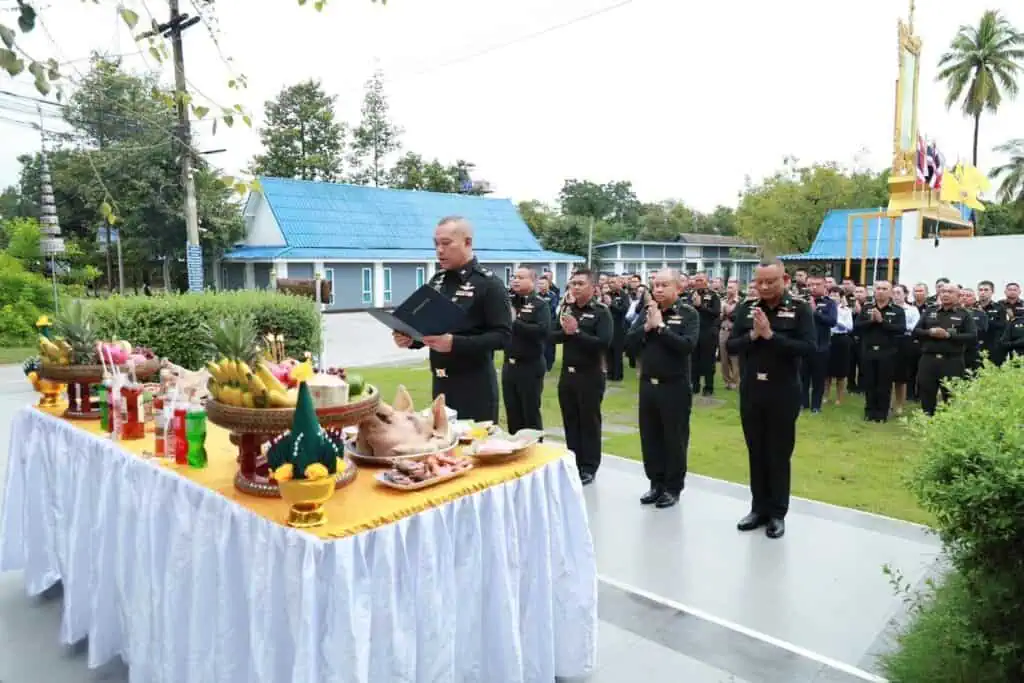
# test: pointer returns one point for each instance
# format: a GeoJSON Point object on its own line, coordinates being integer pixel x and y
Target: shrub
{"type": "Point", "coordinates": [169, 324]}
{"type": "Point", "coordinates": [971, 479]}
{"type": "Point", "coordinates": [24, 296]}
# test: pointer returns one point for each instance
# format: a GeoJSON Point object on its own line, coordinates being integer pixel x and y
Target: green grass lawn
{"type": "Point", "coordinates": [15, 355]}
{"type": "Point", "coordinates": [839, 459]}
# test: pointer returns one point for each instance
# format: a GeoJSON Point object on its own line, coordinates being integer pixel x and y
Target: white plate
{"type": "Point", "coordinates": [382, 478]}
{"type": "Point", "coordinates": [374, 461]}
{"type": "Point", "coordinates": [522, 439]}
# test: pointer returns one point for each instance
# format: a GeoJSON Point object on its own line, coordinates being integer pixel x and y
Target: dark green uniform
{"type": "Point", "coordinates": [522, 374]}
{"type": "Point", "coordinates": [1011, 343]}
{"type": "Point", "coordinates": [942, 358]}
{"type": "Point", "coordinates": [770, 396]}
{"type": "Point", "coordinates": [466, 375]}
{"type": "Point", "coordinates": [582, 382]}
{"type": "Point", "coordinates": [618, 307]}
{"type": "Point", "coordinates": [990, 340]}
{"type": "Point", "coordinates": [972, 352]}
{"type": "Point", "coordinates": [880, 344]}
{"type": "Point", "coordinates": [665, 398]}
{"type": "Point", "coordinates": [702, 360]}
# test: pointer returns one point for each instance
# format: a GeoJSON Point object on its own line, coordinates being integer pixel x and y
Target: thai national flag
{"type": "Point", "coordinates": [921, 160]}
{"type": "Point", "coordinates": [936, 164]}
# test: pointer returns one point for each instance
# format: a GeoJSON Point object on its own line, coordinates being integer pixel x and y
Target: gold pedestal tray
{"type": "Point", "coordinates": [270, 488]}
{"type": "Point", "coordinates": [251, 427]}
{"type": "Point", "coordinates": [80, 380]}
{"type": "Point", "coordinates": [306, 499]}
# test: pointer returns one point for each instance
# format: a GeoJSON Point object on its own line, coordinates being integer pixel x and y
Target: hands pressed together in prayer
{"type": "Point", "coordinates": [762, 328]}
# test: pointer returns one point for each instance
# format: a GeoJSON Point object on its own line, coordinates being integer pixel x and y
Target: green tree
{"type": "Point", "coordinates": [982, 64]}
{"type": "Point", "coordinates": [1000, 219]}
{"type": "Point", "coordinates": [615, 202]}
{"type": "Point", "coordinates": [784, 211]}
{"type": "Point", "coordinates": [23, 238]}
{"type": "Point", "coordinates": [413, 172]}
{"type": "Point", "coordinates": [721, 221]}
{"type": "Point", "coordinates": [375, 138]}
{"type": "Point", "coordinates": [1011, 174]}
{"type": "Point", "coordinates": [301, 139]}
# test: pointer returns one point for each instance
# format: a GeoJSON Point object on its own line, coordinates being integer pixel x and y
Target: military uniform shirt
{"type": "Point", "coordinates": [996, 324]}
{"type": "Point", "coordinates": [957, 321]}
{"type": "Point", "coordinates": [664, 350]}
{"type": "Point", "coordinates": [488, 317]}
{"type": "Point", "coordinates": [530, 327]}
{"type": "Point", "coordinates": [775, 361]}
{"type": "Point", "coordinates": [710, 309]}
{"type": "Point", "coordinates": [585, 349]}
{"type": "Point", "coordinates": [881, 339]}
{"type": "Point", "coordinates": [1012, 340]}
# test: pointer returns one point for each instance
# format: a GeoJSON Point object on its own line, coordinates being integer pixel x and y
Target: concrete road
{"type": "Point", "coordinates": [357, 340]}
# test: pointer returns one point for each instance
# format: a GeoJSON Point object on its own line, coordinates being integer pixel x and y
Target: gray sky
{"type": "Point", "coordinates": [684, 99]}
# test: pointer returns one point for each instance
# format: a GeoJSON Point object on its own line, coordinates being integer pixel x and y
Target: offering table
{"type": "Point", "coordinates": [490, 577]}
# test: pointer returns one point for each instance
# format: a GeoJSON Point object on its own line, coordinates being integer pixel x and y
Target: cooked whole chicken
{"type": "Point", "coordinates": [397, 430]}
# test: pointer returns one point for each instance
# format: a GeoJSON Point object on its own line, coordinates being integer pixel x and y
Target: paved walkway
{"type": "Point", "coordinates": [683, 595]}
{"type": "Point", "coordinates": [357, 340]}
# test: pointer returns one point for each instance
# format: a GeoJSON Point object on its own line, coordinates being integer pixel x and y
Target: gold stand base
{"type": "Point", "coordinates": [306, 515]}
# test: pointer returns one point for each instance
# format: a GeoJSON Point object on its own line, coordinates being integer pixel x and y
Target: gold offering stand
{"type": "Point", "coordinates": [252, 427]}
{"type": "Point", "coordinates": [80, 380]}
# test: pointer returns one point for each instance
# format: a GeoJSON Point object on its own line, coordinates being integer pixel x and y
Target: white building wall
{"type": "Point", "coordinates": [262, 230]}
{"type": "Point", "coordinates": [964, 260]}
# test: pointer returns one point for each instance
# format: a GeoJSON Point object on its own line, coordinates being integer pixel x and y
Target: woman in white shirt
{"type": "Point", "coordinates": [839, 347]}
{"type": "Point", "coordinates": [904, 363]}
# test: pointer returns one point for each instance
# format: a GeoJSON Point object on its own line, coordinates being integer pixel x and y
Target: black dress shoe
{"type": "Point", "coordinates": [651, 496]}
{"type": "Point", "coordinates": [776, 528]}
{"type": "Point", "coordinates": [666, 500]}
{"type": "Point", "coordinates": [751, 521]}
{"type": "Point", "coordinates": [586, 478]}
{"type": "Point", "coordinates": [708, 392]}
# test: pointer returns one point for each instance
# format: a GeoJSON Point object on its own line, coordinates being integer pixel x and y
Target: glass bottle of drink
{"type": "Point", "coordinates": [159, 427]}
{"type": "Point", "coordinates": [134, 424]}
{"type": "Point", "coordinates": [180, 435]}
{"type": "Point", "coordinates": [196, 435]}
{"type": "Point", "coordinates": [111, 404]}
{"type": "Point", "coordinates": [104, 408]}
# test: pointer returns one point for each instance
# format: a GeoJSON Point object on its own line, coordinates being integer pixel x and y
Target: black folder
{"type": "Point", "coordinates": [426, 313]}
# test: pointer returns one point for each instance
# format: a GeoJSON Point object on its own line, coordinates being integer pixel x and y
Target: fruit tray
{"type": "Point", "coordinates": [277, 420]}
{"type": "Point", "coordinates": [92, 374]}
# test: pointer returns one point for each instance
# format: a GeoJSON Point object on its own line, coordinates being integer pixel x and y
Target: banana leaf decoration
{"type": "Point", "coordinates": [306, 442]}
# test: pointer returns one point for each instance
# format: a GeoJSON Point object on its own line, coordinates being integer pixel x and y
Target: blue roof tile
{"type": "Point", "coordinates": [315, 215]}
{"type": "Point", "coordinates": [831, 241]}
{"type": "Point", "coordinates": [362, 255]}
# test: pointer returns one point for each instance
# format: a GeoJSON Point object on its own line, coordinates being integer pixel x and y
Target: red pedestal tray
{"type": "Point", "coordinates": [252, 427]}
{"type": "Point", "coordinates": [80, 380]}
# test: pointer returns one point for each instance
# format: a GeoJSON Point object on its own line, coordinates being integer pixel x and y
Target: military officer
{"type": "Point", "coordinates": [945, 331]}
{"type": "Point", "coordinates": [702, 360]}
{"type": "Point", "coordinates": [881, 325]}
{"type": "Point", "coordinates": [462, 362]}
{"type": "Point", "coordinates": [972, 352]}
{"type": "Point", "coordinates": [585, 333]}
{"type": "Point", "coordinates": [665, 332]}
{"type": "Point", "coordinates": [771, 334]}
{"type": "Point", "coordinates": [996, 321]}
{"type": "Point", "coordinates": [618, 305]}
{"type": "Point", "coordinates": [522, 374]}
{"type": "Point", "coordinates": [550, 296]}
{"type": "Point", "coordinates": [1013, 305]}
{"type": "Point", "coordinates": [1011, 343]}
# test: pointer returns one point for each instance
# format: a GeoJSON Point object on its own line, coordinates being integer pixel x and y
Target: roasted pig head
{"type": "Point", "coordinates": [397, 430]}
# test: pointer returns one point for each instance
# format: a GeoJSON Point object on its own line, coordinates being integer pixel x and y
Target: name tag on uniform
{"type": "Point", "coordinates": [464, 292]}
{"type": "Point", "coordinates": [675, 319]}
{"type": "Point", "coordinates": [956, 320]}
{"type": "Point", "coordinates": [441, 373]}
{"type": "Point", "coordinates": [587, 315]}
{"type": "Point", "coordinates": [527, 308]}
{"type": "Point", "coordinates": [787, 314]}
{"type": "Point", "coordinates": [762, 377]}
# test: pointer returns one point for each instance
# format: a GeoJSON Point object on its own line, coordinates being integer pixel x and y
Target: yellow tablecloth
{"type": "Point", "coordinates": [360, 506]}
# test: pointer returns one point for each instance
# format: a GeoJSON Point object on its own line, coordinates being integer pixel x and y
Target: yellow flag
{"type": "Point", "coordinates": [962, 185]}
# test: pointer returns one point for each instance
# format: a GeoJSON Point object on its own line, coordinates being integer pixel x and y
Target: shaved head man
{"type": "Point", "coordinates": [462, 360]}
{"type": "Point", "coordinates": [945, 331]}
{"type": "Point", "coordinates": [522, 373]}
{"type": "Point", "coordinates": [881, 325]}
{"type": "Point", "coordinates": [771, 335]}
{"type": "Point", "coordinates": [665, 333]}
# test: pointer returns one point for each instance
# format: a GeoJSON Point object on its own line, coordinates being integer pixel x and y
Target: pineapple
{"type": "Point", "coordinates": [75, 325]}
{"type": "Point", "coordinates": [234, 338]}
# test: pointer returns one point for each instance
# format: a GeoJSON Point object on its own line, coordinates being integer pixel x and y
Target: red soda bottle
{"type": "Point", "coordinates": [180, 436]}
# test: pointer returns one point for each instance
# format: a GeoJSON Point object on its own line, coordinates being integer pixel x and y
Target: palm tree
{"type": "Point", "coordinates": [981, 66]}
{"type": "Point", "coordinates": [1011, 187]}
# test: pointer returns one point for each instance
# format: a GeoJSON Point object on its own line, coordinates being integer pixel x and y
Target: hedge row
{"type": "Point", "coordinates": [168, 324]}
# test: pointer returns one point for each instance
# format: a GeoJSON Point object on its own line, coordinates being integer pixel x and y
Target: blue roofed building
{"type": "Point", "coordinates": [375, 245]}
{"type": "Point", "coordinates": [862, 235]}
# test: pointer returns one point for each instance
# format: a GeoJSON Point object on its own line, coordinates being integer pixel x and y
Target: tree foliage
{"type": "Point", "coordinates": [413, 172]}
{"type": "Point", "coordinates": [783, 212]}
{"type": "Point", "coordinates": [301, 139]}
{"type": "Point", "coordinates": [376, 137]}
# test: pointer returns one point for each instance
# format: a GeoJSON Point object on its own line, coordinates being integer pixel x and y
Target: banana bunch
{"type": "Point", "coordinates": [234, 383]}
{"type": "Point", "coordinates": [58, 353]}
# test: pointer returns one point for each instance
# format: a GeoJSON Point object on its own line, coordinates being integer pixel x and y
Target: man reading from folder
{"type": "Point", "coordinates": [462, 361]}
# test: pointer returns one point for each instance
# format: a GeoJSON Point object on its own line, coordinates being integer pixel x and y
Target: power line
{"type": "Point", "coordinates": [515, 41]}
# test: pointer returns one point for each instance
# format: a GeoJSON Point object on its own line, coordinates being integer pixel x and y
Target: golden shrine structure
{"type": "Point", "coordinates": [905, 191]}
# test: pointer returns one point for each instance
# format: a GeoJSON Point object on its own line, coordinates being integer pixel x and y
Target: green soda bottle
{"type": "Point", "coordinates": [104, 408]}
{"type": "Point", "coordinates": [195, 434]}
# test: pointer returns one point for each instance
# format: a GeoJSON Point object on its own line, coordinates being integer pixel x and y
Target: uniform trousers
{"type": "Point", "coordinates": [854, 379]}
{"type": "Point", "coordinates": [813, 370]}
{"type": "Point", "coordinates": [580, 392]}
{"type": "Point", "coordinates": [664, 420]}
{"type": "Point", "coordinates": [702, 361]}
{"type": "Point", "coordinates": [614, 363]}
{"type": "Point", "coordinates": [768, 413]}
{"type": "Point", "coordinates": [522, 384]}
{"type": "Point", "coordinates": [549, 355]}
{"type": "Point", "coordinates": [473, 394]}
{"type": "Point", "coordinates": [730, 364]}
{"type": "Point", "coordinates": [877, 372]}
{"type": "Point", "coordinates": [931, 371]}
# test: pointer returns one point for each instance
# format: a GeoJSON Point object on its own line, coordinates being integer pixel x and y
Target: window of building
{"type": "Point", "coordinates": [508, 275]}
{"type": "Point", "coordinates": [367, 286]}
{"type": "Point", "coordinates": [329, 276]}
{"type": "Point", "coordinates": [421, 277]}
{"type": "Point", "coordinates": [387, 285]}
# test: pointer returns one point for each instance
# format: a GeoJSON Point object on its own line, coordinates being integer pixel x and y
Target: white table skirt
{"type": "Point", "coordinates": [188, 587]}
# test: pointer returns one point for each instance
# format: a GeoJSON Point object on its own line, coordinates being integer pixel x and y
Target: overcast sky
{"type": "Point", "coordinates": [684, 99]}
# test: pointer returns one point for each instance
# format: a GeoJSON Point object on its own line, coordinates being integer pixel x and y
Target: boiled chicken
{"type": "Point", "coordinates": [397, 430]}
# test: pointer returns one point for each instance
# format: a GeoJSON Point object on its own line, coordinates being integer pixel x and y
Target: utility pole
{"type": "Point", "coordinates": [173, 29]}
{"type": "Point", "coordinates": [590, 244]}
